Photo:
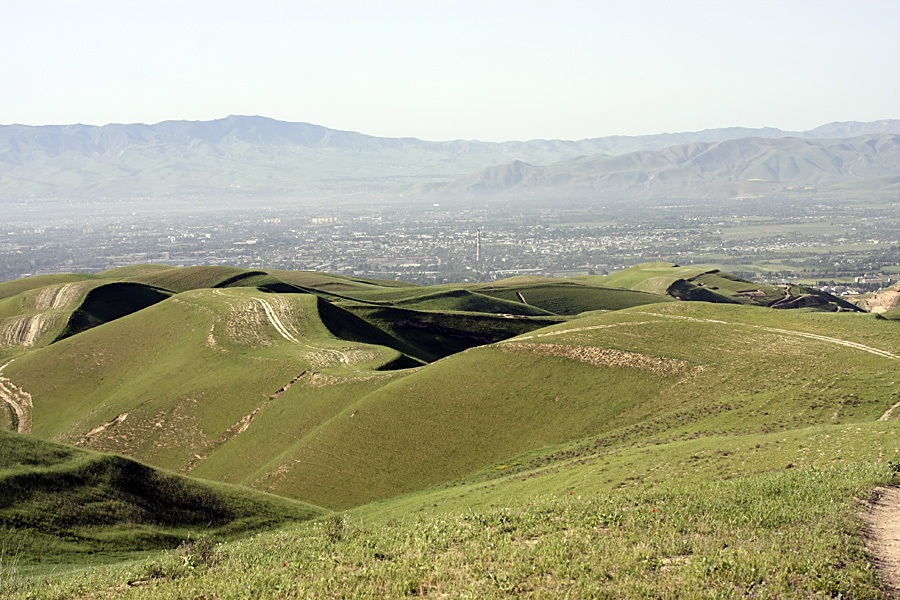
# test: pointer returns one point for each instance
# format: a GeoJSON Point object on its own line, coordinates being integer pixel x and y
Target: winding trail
{"type": "Point", "coordinates": [882, 536]}
{"type": "Point", "coordinates": [276, 322]}
{"type": "Point", "coordinates": [812, 336]}
{"type": "Point", "coordinates": [18, 400]}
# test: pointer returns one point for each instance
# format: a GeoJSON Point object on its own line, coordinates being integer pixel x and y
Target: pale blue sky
{"type": "Point", "coordinates": [490, 69]}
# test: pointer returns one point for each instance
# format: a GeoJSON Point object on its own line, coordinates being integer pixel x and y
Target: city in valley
{"type": "Point", "coordinates": [843, 247]}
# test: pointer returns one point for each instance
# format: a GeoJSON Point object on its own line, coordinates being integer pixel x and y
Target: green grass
{"type": "Point", "coordinates": [785, 533]}
{"type": "Point", "coordinates": [182, 279]}
{"type": "Point", "coordinates": [568, 298]}
{"type": "Point", "coordinates": [336, 283]}
{"type": "Point", "coordinates": [459, 300]}
{"type": "Point", "coordinates": [526, 459]}
{"type": "Point", "coordinates": [64, 505]}
{"type": "Point", "coordinates": [9, 289]}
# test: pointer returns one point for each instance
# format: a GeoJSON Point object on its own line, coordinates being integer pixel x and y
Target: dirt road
{"type": "Point", "coordinates": [883, 536]}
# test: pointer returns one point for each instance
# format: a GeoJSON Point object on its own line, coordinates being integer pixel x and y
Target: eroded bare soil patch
{"type": "Point", "coordinates": [604, 357]}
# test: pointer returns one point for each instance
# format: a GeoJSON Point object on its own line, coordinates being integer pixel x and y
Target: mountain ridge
{"type": "Point", "coordinates": [253, 154]}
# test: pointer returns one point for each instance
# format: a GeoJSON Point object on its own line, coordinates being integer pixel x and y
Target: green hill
{"type": "Point", "coordinates": [543, 447]}
{"type": "Point", "coordinates": [63, 504]}
{"type": "Point", "coordinates": [711, 285]}
{"type": "Point", "coordinates": [569, 297]}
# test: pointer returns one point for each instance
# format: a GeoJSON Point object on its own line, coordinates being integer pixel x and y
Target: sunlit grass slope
{"type": "Point", "coordinates": [62, 504]}
{"type": "Point", "coordinates": [172, 383]}
{"type": "Point", "coordinates": [16, 287]}
{"type": "Point", "coordinates": [109, 302]}
{"type": "Point", "coordinates": [675, 449]}
{"type": "Point", "coordinates": [205, 381]}
{"type": "Point", "coordinates": [182, 279]}
{"type": "Point", "coordinates": [713, 518]}
{"type": "Point", "coordinates": [649, 375]}
{"type": "Point", "coordinates": [39, 316]}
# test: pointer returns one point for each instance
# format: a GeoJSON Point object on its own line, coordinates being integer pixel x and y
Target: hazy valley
{"type": "Point", "coordinates": [219, 391]}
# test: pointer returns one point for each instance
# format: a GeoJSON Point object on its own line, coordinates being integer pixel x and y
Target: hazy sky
{"type": "Point", "coordinates": [486, 69]}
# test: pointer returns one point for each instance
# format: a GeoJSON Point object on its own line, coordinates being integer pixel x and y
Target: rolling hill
{"type": "Point", "coordinates": [539, 428]}
{"type": "Point", "coordinates": [77, 506]}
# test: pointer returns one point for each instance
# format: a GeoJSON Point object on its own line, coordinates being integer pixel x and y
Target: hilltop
{"type": "Point", "coordinates": [513, 424]}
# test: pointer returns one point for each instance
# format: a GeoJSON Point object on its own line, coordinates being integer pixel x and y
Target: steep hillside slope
{"type": "Point", "coordinates": [167, 383]}
{"type": "Point", "coordinates": [42, 315]}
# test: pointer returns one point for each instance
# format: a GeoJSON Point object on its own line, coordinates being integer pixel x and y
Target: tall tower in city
{"type": "Point", "coordinates": [478, 246]}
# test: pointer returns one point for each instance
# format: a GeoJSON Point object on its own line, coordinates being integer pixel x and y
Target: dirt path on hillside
{"type": "Point", "coordinates": [812, 336]}
{"type": "Point", "coordinates": [882, 536]}
{"type": "Point", "coordinates": [240, 427]}
{"type": "Point", "coordinates": [279, 326]}
{"type": "Point", "coordinates": [18, 400]}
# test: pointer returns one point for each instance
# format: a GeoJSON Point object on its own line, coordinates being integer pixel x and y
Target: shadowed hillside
{"type": "Point", "coordinates": [61, 501]}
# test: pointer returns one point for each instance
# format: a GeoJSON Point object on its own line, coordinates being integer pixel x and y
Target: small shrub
{"type": "Point", "coordinates": [198, 553]}
{"type": "Point", "coordinates": [337, 527]}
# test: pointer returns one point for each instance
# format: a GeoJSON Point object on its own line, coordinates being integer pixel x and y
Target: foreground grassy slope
{"type": "Point", "coordinates": [63, 504]}
{"type": "Point", "coordinates": [662, 450]}
{"type": "Point", "coordinates": [699, 518]}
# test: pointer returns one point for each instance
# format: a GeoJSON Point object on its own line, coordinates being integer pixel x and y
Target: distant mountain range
{"type": "Point", "coordinates": [261, 156]}
{"type": "Point", "coordinates": [706, 169]}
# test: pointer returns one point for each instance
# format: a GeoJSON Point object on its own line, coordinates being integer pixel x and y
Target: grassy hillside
{"type": "Point", "coordinates": [495, 455]}
{"type": "Point", "coordinates": [459, 300]}
{"type": "Point", "coordinates": [62, 504]}
{"type": "Point", "coordinates": [335, 283]}
{"type": "Point", "coordinates": [182, 279]}
{"type": "Point", "coordinates": [109, 302]}
{"type": "Point", "coordinates": [570, 298]}
{"type": "Point", "coordinates": [38, 316]}
{"type": "Point", "coordinates": [711, 285]}
{"type": "Point", "coordinates": [668, 372]}
{"type": "Point", "coordinates": [209, 375]}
